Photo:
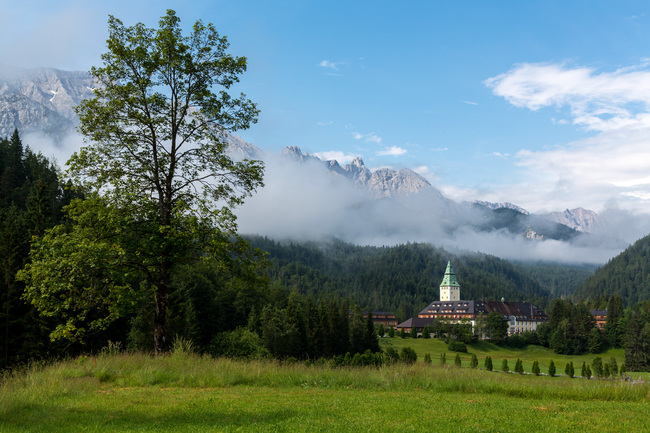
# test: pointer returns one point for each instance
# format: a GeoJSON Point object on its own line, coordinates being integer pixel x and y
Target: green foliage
{"type": "Point", "coordinates": [408, 355]}
{"type": "Point", "coordinates": [163, 186]}
{"type": "Point", "coordinates": [536, 371]}
{"type": "Point", "coordinates": [457, 361]}
{"type": "Point", "coordinates": [402, 279]}
{"type": "Point", "coordinates": [597, 367]}
{"type": "Point", "coordinates": [628, 269]}
{"type": "Point", "coordinates": [443, 358]}
{"type": "Point", "coordinates": [519, 366]}
{"type": "Point", "coordinates": [426, 331]}
{"type": "Point", "coordinates": [570, 328]}
{"type": "Point", "coordinates": [413, 333]}
{"type": "Point", "coordinates": [569, 370]}
{"type": "Point", "coordinates": [504, 366]}
{"type": "Point", "coordinates": [495, 327]}
{"type": "Point", "coordinates": [551, 368]}
{"type": "Point", "coordinates": [238, 344]}
{"type": "Point", "coordinates": [457, 346]}
{"type": "Point", "coordinates": [391, 332]}
{"type": "Point", "coordinates": [587, 373]}
{"type": "Point", "coordinates": [427, 358]}
{"type": "Point", "coordinates": [637, 338]}
{"type": "Point", "coordinates": [474, 361]}
{"type": "Point", "coordinates": [488, 363]}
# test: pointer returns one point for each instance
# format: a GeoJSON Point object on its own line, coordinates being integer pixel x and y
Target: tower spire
{"type": "Point", "coordinates": [449, 288]}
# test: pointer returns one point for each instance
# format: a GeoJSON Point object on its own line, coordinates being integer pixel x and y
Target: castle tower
{"type": "Point", "coordinates": [449, 288]}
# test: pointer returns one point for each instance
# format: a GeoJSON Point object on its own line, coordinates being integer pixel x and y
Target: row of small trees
{"type": "Point", "coordinates": [598, 368]}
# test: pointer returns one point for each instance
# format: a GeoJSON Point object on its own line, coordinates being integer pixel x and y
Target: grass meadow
{"type": "Point", "coordinates": [186, 392]}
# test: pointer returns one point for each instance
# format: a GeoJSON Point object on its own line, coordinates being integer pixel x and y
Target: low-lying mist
{"type": "Point", "coordinates": [306, 202]}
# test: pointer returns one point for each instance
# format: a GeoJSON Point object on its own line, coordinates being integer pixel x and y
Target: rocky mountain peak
{"type": "Point", "coordinates": [41, 100]}
{"type": "Point", "coordinates": [579, 219]}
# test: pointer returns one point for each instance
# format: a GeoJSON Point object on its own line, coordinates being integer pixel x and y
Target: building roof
{"type": "Point", "coordinates": [598, 312]}
{"type": "Point", "coordinates": [418, 322]}
{"type": "Point", "coordinates": [450, 277]}
{"type": "Point", "coordinates": [521, 310]}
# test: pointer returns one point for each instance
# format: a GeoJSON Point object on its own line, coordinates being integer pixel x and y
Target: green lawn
{"type": "Point", "coordinates": [192, 393]}
{"type": "Point", "coordinates": [527, 355]}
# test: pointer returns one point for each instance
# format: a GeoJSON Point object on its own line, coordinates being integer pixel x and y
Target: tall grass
{"type": "Point", "coordinates": [181, 369]}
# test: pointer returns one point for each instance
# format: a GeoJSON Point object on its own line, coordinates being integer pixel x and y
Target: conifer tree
{"type": "Point", "coordinates": [551, 368]}
{"type": "Point", "coordinates": [504, 366]}
{"type": "Point", "coordinates": [536, 369]}
{"type": "Point", "coordinates": [488, 363]}
{"type": "Point", "coordinates": [457, 361]}
{"type": "Point", "coordinates": [474, 362]}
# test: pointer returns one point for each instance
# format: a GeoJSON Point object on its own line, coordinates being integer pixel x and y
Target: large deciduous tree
{"type": "Point", "coordinates": [156, 168]}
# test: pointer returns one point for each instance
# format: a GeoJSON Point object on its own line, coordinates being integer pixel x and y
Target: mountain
{"type": "Point", "coordinates": [579, 219]}
{"type": "Point", "coordinates": [627, 275]}
{"type": "Point", "coordinates": [383, 182]}
{"type": "Point", "coordinates": [506, 205]}
{"type": "Point", "coordinates": [41, 100]}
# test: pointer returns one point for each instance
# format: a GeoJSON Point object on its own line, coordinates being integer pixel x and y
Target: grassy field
{"type": "Point", "coordinates": [527, 355]}
{"type": "Point", "coordinates": [184, 392]}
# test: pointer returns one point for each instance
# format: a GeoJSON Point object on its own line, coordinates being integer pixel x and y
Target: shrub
{"type": "Point", "coordinates": [443, 358]}
{"type": "Point", "coordinates": [427, 358]}
{"type": "Point", "coordinates": [392, 356]}
{"type": "Point", "coordinates": [391, 332]}
{"type": "Point", "coordinates": [474, 362]}
{"type": "Point", "coordinates": [504, 366]}
{"type": "Point", "coordinates": [568, 370]}
{"type": "Point", "coordinates": [551, 368]}
{"type": "Point", "coordinates": [240, 344]}
{"type": "Point", "coordinates": [613, 367]}
{"type": "Point", "coordinates": [457, 346]}
{"type": "Point", "coordinates": [597, 367]}
{"type": "Point", "coordinates": [488, 363]}
{"type": "Point", "coordinates": [457, 361]}
{"type": "Point", "coordinates": [408, 355]}
{"type": "Point", "coordinates": [587, 373]}
{"type": "Point", "coordinates": [413, 333]}
{"type": "Point", "coordinates": [536, 369]}
{"type": "Point", "coordinates": [519, 366]}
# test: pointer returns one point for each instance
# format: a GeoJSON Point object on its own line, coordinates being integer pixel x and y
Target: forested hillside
{"type": "Point", "coordinates": [402, 279]}
{"type": "Point", "coordinates": [627, 275]}
{"type": "Point", "coordinates": [31, 199]}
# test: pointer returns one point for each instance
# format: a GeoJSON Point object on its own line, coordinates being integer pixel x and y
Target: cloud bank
{"type": "Point", "coordinates": [612, 166]}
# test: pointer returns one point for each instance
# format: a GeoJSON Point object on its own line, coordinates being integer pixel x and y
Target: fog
{"type": "Point", "coordinates": [304, 201]}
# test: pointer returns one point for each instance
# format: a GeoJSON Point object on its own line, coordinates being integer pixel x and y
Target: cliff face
{"type": "Point", "coordinates": [579, 219]}
{"type": "Point", "coordinates": [41, 100]}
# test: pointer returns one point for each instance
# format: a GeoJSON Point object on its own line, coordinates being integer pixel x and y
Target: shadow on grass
{"type": "Point", "coordinates": [54, 418]}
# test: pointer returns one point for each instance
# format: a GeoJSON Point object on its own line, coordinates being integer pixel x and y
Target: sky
{"type": "Point", "coordinates": [545, 104]}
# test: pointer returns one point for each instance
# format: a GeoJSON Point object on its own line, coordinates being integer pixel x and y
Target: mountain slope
{"type": "Point", "coordinates": [627, 275]}
{"type": "Point", "coordinates": [41, 100]}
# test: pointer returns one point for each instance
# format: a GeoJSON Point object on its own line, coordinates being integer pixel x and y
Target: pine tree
{"type": "Point", "coordinates": [536, 369]}
{"type": "Point", "coordinates": [519, 366]}
{"type": "Point", "coordinates": [457, 361]}
{"type": "Point", "coordinates": [427, 358]}
{"type": "Point", "coordinates": [551, 368]}
{"type": "Point", "coordinates": [391, 332]}
{"type": "Point", "coordinates": [504, 366]}
{"type": "Point", "coordinates": [587, 373]}
{"type": "Point", "coordinates": [488, 363]}
{"type": "Point", "coordinates": [474, 362]}
{"type": "Point", "coordinates": [443, 359]}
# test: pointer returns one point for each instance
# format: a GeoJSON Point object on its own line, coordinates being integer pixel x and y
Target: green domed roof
{"type": "Point", "coordinates": [450, 277]}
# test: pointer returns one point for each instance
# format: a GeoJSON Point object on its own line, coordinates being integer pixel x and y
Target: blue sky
{"type": "Point", "coordinates": [541, 103]}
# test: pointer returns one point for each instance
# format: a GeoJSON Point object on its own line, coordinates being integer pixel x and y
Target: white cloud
{"type": "Point", "coordinates": [599, 101]}
{"type": "Point", "coordinates": [392, 151]}
{"type": "Point", "coordinates": [469, 102]}
{"type": "Point", "coordinates": [340, 157]}
{"type": "Point", "coordinates": [372, 137]}
{"type": "Point", "coordinates": [330, 65]}
{"type": "Point", "coordinates": [610, 167]}
{"type": "Point", "coordinates": [500, 155]}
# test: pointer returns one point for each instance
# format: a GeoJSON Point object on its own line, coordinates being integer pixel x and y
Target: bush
{"type": "Point", "coordinates": [474, 362]}
{"type": "Point", "coordinates": [488, 363]}
{"type": "Point", "coordinates": [457, 346]}
{"type": "Point", "coordinates": [536, 369]}
{"type": "Point", "coordinates": [551, 368]}
{"type": "Point", "coordinates": [597, 367]}
{"type": "Point", "coordinates": [568, 370]}
{"type": "Point", "coordinates": [504, 366]}
{"type": "Point", "coordinates": [519, 366]}
{"type": "Point", "coordinates": [443, 358]}
{"type": "Point", "coordinates": [457, 361]}
{"type": "Point", "coordinates": [392, 356]}
{"type": "Point", "coordinates": [408, 355]}
{"type": "Point", "coordinates": [240, 344]}
{"type": "Point", "coordinates": [427, 358]}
